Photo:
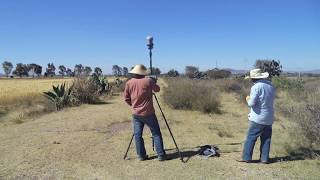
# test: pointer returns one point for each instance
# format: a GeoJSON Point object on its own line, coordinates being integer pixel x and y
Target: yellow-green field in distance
{"type": "Point", "coordinates": [13, 91]}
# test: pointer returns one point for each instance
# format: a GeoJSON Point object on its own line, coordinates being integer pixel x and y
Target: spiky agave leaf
{"type": "Point", "coordinates": [62, 89]}
{"type": "Point", "coordinates": [56, 90]}
{"type": "Point", "coordinates": [50, 95]}
{"type": "Point", "coordinates": [67, 94]}
{"type": "Point", "coordinates": [70, 89]}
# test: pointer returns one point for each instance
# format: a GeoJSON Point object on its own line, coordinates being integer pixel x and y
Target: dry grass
{"type": "Point", "coordinates": [302, 107]}
{"type": "Point", "coordinates": [86, 143]}
{"type": "Point", "coordinates": [16, 91]}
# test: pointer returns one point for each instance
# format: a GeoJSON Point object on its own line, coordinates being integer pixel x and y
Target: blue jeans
{"type": "Point", "coordinates": [152, 122]}
{"type": "Point", "coordinates": [257, 130]}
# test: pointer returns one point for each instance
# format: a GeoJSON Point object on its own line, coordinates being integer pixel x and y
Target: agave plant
{"type": "Point", "coordinates": [100, 82]}
{"type": "Point", "coordinates": [60, 96]}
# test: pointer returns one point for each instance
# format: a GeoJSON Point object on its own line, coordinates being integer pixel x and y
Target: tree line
{"type": "Point", "coordinates": [25, 70]}
{"type": "Point", "coordinates": [36, 70]}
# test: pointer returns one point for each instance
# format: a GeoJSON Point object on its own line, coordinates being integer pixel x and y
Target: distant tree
{"type": "Point", "coordinates": [87, 70]}
{"type": "Point", "coordinates": [218, 73]}
{"type": "Point", "coordinates": [21, 70]}
{"type": "Point", "coordinates": [69, 72]}
{"type": "Point", "coordinates": [7, 67]}
{"type": "Point", "coordinates": [32, 68]}
{"type": "Point", "coordinates": [78, 69]}
{"type": "Point", "coordinates": [125, 71]}
{"type": "Point", "coordinates": [98, 71]}
{"type": "Point", "coordinates": [273, 67]}
{"type": "Point", "coordinates": [51, 70]}
{"type": "Point", "coordinates": [191, 71]}
{"type": "Point", "coordinates": [173, 73]}
{"type": "Point", "coordinates": [155, 71]}
{"type": "Point", "coordinates": [62, 70]}
{"type": "Point", "coordinates": [38, 70]}
{"type": "Point", "coordinates": [116, 70]}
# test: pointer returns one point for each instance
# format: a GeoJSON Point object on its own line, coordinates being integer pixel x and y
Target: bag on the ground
{"type": "Point", "coordinates": [207, 151]}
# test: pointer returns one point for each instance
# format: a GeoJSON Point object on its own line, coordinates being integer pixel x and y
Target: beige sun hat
{"type": "Point", "coordinates": [257, 74]}
{"type": "Point", "coordinates": [139, 70]}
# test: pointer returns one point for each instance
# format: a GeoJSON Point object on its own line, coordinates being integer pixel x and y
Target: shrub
{"type": "Point", "coordinates": [239, 86]}
{"type": "Point", "coordinates": [100, 82]}
{"type": "Point", "coordinates": [303, 108]}
{"type": "Point", "coordinates": [307, 119]}
{"type": "Point", "coordinates": [287, 84]}
{"type": "Point", "coordinates": [229, 85]}
{"type": "Point", "coordinates": [117, 86]}
{"type": "Point", "coordinates": [193, 95]}
{"type": "Point", "coordinates": [191, 71]}
{"type": "Point", "coordinates": [173, 73]}
{"type": "Point", "coordinates": [218, 73]}
{"type": "Point", "coordinates": [85, 91]}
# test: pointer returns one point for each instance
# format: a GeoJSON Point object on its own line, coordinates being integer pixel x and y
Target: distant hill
{"type": "Point", "coordinates": [316, 71]}
{"type": "Point", "coordinates": [236, 71]}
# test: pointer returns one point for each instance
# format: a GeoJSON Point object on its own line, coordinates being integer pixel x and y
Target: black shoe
{"type": "Point", "coordinates": [264, 162]}
{"type": "Point", "coordinates": [143, 158]}
{"type": "Point", "coordinates": [162, 158]}
{"type": "Point", "coordinates": [246, 161]}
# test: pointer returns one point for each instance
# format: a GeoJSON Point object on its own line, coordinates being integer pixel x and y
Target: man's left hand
{"type": "Point", "coordinates": [154, 78]}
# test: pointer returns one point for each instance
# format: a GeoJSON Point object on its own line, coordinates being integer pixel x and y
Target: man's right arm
{"type": "Point", "coordinates": [254, 95]}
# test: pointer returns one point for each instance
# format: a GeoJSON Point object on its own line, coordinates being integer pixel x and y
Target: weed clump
{"type": "Point", "coordinates": [192, 95]}
{"type": "Point", "coordinates": [303, 108]}
{"type": "Point", "coordinates": [85, 91]}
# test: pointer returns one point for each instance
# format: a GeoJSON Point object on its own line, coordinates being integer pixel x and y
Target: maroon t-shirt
{"type": "Point", "coordinates": [138, 94]}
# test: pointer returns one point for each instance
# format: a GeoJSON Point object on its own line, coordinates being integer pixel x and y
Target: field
{"type": "Point", "coordinates": [88, 142]}
{"type": "Point", "coordinates": [19, 90]}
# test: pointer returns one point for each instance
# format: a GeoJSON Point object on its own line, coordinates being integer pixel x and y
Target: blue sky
{"type": "Point", "coordinates": [233, 33]}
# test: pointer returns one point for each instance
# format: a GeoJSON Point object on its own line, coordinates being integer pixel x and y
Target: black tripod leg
{"type": "Point", "coordinates": [165, 120]}
{"type": "Point", "coordinates": [125, 155]}
{"type": "Point", "coordinates": [152, 144]}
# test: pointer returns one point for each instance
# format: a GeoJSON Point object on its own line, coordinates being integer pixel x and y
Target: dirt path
{"type": "Point", "coordinates": [88, 142]}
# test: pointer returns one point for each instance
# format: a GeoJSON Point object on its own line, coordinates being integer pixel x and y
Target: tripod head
{"type": "Point", "coordinates": [150, 42]}
{"type": "Point", "coordinates": [150, 47]}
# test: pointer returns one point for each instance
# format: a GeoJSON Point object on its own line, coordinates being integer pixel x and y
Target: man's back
{"type": "Point", "coordinates": [138, 94]}
{"type": "Point", "coordinates": [262, 98]}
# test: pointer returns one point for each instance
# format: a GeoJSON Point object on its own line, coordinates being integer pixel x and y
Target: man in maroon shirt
{"type": "Point", "coordinates": [138, 94]}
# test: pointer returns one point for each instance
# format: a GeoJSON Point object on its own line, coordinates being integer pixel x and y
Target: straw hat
{"type": "Point", "coordinates": [257, 74]}
{"type": "Point", "coordinates": [139, 70]}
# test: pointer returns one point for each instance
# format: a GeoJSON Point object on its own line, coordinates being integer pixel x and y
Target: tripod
{"type": "Point", "coordinates": [150, 47]}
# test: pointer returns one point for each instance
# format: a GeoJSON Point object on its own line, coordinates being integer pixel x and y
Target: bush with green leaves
{"type": "Point", "coordinates": [284, 83]}
{"type": "Point", "coordinates": [273, 67]}
{"type": "Point", "coordinates": [99, 81]}
{"type": "Point", "coordinates": [173, 73]}
{"type": "Point", "coordinates": [60, 96]}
